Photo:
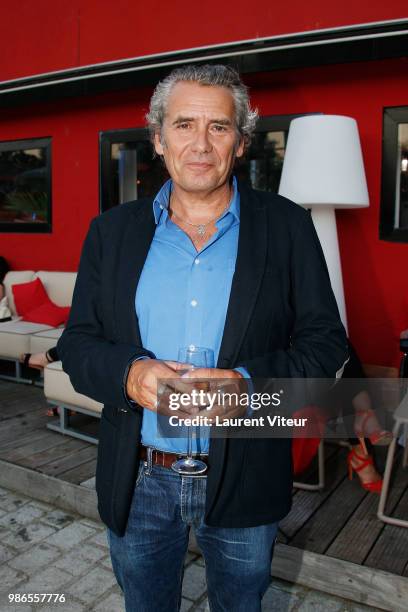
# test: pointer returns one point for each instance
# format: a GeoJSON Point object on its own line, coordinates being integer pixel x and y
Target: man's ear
{"type": "Point", "coordinates": [158, 147]}
{"type": "Point", "coordinates": [240, 148]}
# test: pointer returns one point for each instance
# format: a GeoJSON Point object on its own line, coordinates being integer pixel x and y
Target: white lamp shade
{"type": "Point", "coordinates": [323, 163]}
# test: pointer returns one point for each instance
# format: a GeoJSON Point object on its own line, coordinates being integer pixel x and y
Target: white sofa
{"type": "Point", "coordinates": [17, 336]}
{"type": "Point", "coordinates": [59, 392]}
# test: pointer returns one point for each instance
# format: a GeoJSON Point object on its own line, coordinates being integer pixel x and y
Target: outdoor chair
{"type": "Point", "coordinates": [400, 433]}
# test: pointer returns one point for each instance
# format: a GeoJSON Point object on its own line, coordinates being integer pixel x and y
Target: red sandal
{"type": "Point", "coordinates": [373, 486]}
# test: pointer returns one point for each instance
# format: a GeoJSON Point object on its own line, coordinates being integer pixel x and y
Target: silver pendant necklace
{"type": "Point", "coordinates": [200, 227]}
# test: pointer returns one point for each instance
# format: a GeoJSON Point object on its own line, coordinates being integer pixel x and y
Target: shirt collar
{"type": "Point", "coordinates": [161, 201]}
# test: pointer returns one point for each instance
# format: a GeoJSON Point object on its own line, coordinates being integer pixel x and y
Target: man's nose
{"type": "Point", "coordinates": [201, 142]}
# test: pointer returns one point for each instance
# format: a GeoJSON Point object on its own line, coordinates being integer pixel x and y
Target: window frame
{"type": "Point", "coordinates": [392, 117]}
{"type": "Point", "coordinates": [106, 140]}
{"type": "Point", "coordinates": [32, 143]}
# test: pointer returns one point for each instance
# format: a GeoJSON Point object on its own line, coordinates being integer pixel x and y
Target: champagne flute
{"type": "Point", "coordinates": [195, 357]}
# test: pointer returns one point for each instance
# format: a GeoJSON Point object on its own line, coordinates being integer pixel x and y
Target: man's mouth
{"type": "Point", "coordinates": [199, 165]}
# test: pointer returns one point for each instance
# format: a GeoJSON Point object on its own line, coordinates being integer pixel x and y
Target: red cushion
{"type": "Point", "coordinates": [303, 451]}
{"type": "Point", "coordinates": [48, 314]}
{"type": "Point", "coordinates": [28, 296]}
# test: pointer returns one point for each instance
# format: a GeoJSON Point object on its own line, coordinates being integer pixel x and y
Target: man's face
{"type": "Point", "coordinates": [199, 137]}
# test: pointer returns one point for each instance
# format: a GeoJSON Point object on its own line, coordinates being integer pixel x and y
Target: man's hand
{"type": "Point", "coordinates": [236, 384]}
{"type": "Point", "coordinates": [141, 384]}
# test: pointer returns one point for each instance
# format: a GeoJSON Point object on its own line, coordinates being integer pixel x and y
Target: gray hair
{"type": "Point", "coordinates": [210, 75]}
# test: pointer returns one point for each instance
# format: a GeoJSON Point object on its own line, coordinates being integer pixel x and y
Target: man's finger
{"type": "Point", "coordinates": [177, 365]}
{"type": "Point", "coordinates": [177, 385]}
{"type": "Point", "coordinates": [200, 373]}
{"type": "Point", "coordinates": [149, 401]}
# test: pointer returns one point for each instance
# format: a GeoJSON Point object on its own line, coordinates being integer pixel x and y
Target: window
{"type": "Point", "coordinates": [25, 186]}
{"type": "Point", "coordinates": [394, 187]}
{"type": "Point", "coordinates": [262, 164]}
{"type": "Point", "coordinates": [128, 170]}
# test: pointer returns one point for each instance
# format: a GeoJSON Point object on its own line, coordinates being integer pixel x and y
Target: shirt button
{"type": "Point", "coordinates": [193, 303]}
{"type": "Point", "coordinates": [197, 261]}
{"type": "Point", "coordinates": [161, 206]}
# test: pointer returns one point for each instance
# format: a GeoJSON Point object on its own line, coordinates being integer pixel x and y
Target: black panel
{"type": "Point", "coordinates": [392, 118]}
{"type": "Point", "coordinates": [25, 186]}
{"type": "Point", "coordinates": [351, 44]}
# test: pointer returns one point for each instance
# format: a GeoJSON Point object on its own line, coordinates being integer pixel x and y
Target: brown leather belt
{"type": "Point", "coordinates": [165, 459]}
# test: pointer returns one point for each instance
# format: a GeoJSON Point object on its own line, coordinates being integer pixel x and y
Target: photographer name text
{"type": "Point", "coordinates": [218, 421]}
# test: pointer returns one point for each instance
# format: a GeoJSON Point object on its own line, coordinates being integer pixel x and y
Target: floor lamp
{"type": "Point", "coordinates": [323, 170]}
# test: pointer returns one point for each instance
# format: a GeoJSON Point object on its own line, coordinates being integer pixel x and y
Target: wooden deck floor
{"type": "Point", "coordinates": [25, 441]}
{"type": "Point", "coordinates": [339, 522]}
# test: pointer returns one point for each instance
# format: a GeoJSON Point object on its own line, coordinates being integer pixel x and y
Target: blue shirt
{"type": "Point", "coordinates": [182, 296]}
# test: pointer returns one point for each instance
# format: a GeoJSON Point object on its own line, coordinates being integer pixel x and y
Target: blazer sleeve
{"type": "Point", "coordinates": [96, 366]}
{"type": "Point", "coordinates": [318, 343]}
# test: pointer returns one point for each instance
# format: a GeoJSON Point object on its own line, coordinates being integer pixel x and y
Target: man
{"type": "Point", "coordinates": [211, 263]}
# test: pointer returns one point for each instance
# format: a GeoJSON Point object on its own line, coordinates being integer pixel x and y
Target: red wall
{"type": "Point", "coordinates": [48, 35]}
{"type": "Point", "coordinates": [374, 272]}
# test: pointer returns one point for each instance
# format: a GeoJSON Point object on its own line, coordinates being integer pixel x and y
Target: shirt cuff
{"type": "Point", "coordinates": [243, 371]}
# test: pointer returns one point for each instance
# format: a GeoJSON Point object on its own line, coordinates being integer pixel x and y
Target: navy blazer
{"type": "Point", "coordinates": [282, 321]}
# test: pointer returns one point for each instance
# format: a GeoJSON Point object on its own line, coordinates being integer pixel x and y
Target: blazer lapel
{"type": "Point", "coordinates": [135, 246]}
{"type": "Point", "coordinates": [249, 270]}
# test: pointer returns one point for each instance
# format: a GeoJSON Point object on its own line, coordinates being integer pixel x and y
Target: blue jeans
{"type": "Point", "coordinates": [148, 560]}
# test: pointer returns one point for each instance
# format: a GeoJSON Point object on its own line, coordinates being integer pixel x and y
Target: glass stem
{"type": "Point", "coordinates": [190, 435]}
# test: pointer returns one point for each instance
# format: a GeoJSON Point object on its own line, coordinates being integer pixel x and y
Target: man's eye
{"type": "Point", "coordinates": [220, 128]}
{"type": "Point", "coordinates": [183, 126]}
